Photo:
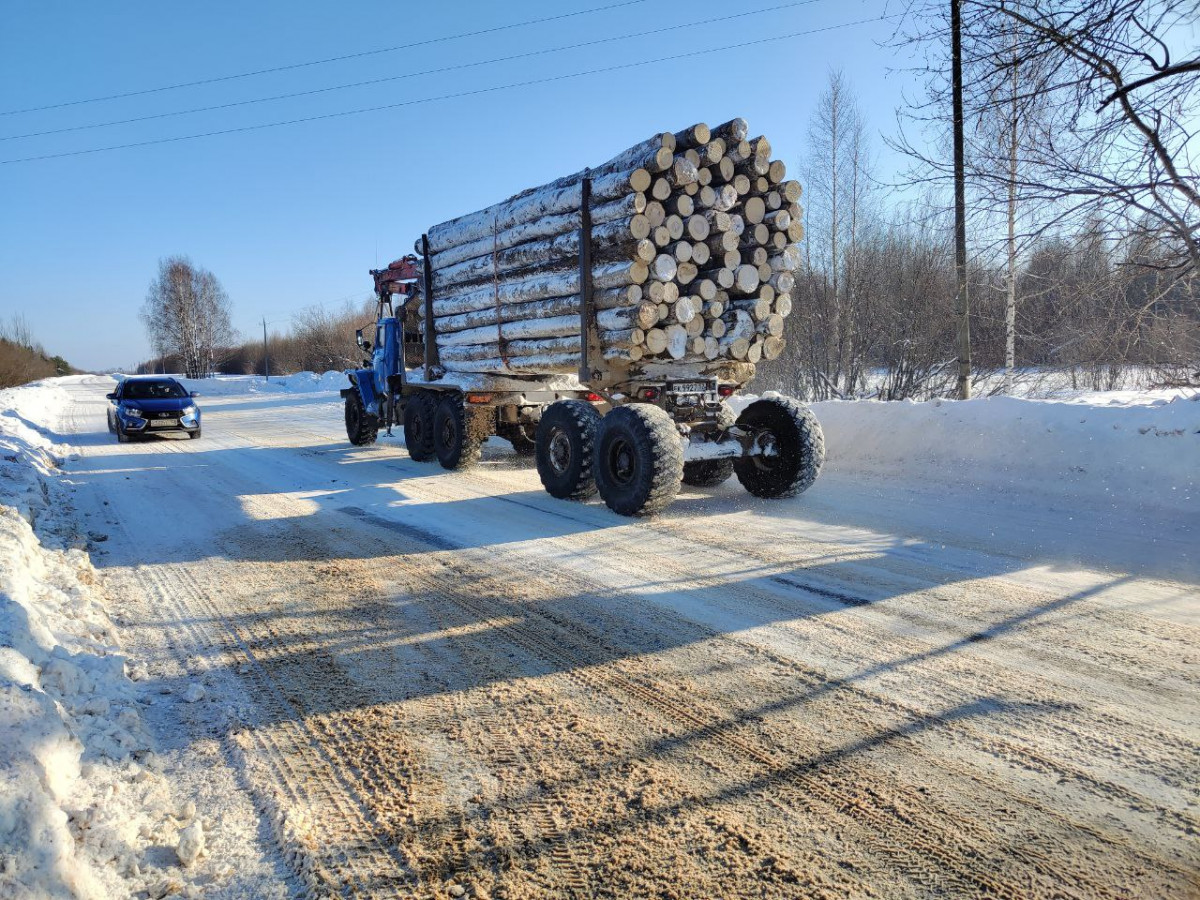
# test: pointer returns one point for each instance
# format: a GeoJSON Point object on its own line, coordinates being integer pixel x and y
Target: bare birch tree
{"type": "Point", "coordinates": [187, 314]}
{"type": "Point", "coordinates": [1083, 117]}
{"type": "Point", "coordinates": [829, 342]}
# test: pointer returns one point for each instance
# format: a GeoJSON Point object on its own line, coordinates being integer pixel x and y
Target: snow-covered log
{"type": "Point", "coordinates": [692, 247]}
{"type": "Point", "coordinates": [613, 238]}
{"type": "Point", "coordinates": [734, 131]}
{"type": "Point", "coordinates": [630, 207]}
{"type": "Point", "coordinates": [539, 286]}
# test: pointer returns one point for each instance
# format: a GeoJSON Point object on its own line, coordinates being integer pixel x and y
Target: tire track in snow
{"type": "Point", "coordinates": [548, 634]}
{"type": "Point", "coordinates": [1094, 735]}
{"type": "Point", "coordinates": [427, 489]}
{"type": "Point", "coordinates": [329, 843]}
{"type": "Point", "coordinates": [573, 878]}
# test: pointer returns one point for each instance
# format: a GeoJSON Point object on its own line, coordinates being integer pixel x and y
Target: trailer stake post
{"type": "Point", "coordinates": [431, 350]}
{"type": "Point", "coordinates": [589, 339]}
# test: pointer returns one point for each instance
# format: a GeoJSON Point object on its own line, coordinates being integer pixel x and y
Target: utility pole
{"type": "Point", "coordinates": [266, 359]}
{"type": "Point", "coordinates": [963, 302]}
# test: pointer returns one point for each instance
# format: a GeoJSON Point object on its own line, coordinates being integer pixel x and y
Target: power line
{"type": "Point", "coordinates": [322, 62]}
{"type": "Point", "coordinates": [454, 96]}
{"type": "Point", "coordinates": [438, 71]}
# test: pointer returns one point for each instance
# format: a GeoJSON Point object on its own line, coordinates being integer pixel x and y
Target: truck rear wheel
{"type": "Point", "coordinates": [565, 446]}
{"type": "Point", "coordinates": [361, 427]}
{"type": "Point", "coordinates": [418, 427]}
{"type": "Point", "coordinates": [791, 445]}
{"type": "Point", "coordinates": [455, 441]}
{"type": "Point", "coordinates": [639, 460]}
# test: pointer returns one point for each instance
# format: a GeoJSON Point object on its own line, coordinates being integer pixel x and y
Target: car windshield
{"type": "Point", "coordinates": [152, 390]}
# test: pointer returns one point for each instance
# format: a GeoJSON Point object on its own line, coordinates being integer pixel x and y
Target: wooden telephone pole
{"type": "Point", "coordinates": [266, 359]}
{"type": "Point", "coordinates": [963, 303]}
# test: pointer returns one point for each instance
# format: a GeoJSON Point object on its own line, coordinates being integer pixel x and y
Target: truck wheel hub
{"type": "Point", "coordinates": [767, 445]}
{"type": "Point", "coordinates": [621, 462]}
{"type": "Point", "coordinates": [560, 451]}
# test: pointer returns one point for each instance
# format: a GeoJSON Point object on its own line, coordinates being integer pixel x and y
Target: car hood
{"type": "Point", "coordinates": [160, 404]}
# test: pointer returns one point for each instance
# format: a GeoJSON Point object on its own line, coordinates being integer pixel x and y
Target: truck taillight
{"type": "Point", "coordinates": [725, 390]}
{"type": "Point", "coordinates": [650, 393]}
{"type": "Point", "coordinates": [479, 398]}
{"type": "Point", "coordinates": [593, 397]}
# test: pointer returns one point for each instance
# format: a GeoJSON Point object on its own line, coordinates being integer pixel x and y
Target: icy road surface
{"type": "Point", "coordinates": [407, 682]}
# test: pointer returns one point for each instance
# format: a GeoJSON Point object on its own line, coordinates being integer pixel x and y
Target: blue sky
{"type": "Point", "coordinates": [295, 215]}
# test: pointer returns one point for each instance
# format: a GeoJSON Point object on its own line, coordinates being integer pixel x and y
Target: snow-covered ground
{"type": "Point", "coordinates": [82, 800]}
{"type": "Point", "coordinates": [1092, 450]}
{"type": "Point", "coordinates": [268, 664]}
{"type": "Point", "coordinates": [234, 385]}
{"type": "Point", "coordinates": [1131, 448]}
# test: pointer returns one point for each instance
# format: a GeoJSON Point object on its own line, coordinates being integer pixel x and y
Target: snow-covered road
{"type": "Point", "coordinates": [407, 682]}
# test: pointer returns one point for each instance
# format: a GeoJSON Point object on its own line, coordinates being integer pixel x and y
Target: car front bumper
{"type": "Point", "coordinates": [159, 425]}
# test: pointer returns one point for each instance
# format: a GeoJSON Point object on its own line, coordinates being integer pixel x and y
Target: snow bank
{"type": "Point", "coordinates": [1112, 450]}
{"type": "Point", "coordinates": [235, 385]}
{"type": "Point", "coordinates": [77, 786]}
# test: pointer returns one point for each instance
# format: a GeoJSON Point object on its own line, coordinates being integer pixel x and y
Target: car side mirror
{"type": "Point", "coordinates": [358, 339]}
{"type": "Point", "coordinates": [194, 393]}
{"type": "Point", "coordinates": [111, 396]}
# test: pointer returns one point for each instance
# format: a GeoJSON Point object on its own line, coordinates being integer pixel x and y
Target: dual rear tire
{"type": "Point", "coordinates": [458, 434]}
{"type": "Point", "coordinates": [639, 460]}
{"type": "Point", "coordinates": [565, 448]}
{"type": "Point", "coordinates": [443, 428]}
{"type": "Point", "coordinates": [632, 456]}
{"type": "Point", "coordinates": [419, 412]}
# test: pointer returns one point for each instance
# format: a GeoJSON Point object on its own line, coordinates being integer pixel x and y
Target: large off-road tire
{"type": "Point", "coordinates": [361, 427]}
{"type": "Point", "coordinates": [418, 427]}
{"type": "Point", "coordinates": [795, 446]}
{"type": "Point", "coordinates": [457, 437]}
{"type": "Point", "coordinates": [707, 472]}
{"type": "Point", "coordinates": [639, 460]}
{"type": "Point", "coordinates": [565, 448]}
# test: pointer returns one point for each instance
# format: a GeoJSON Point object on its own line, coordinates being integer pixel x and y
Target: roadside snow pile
{"type": "Point", "coordinates": [73, 752]}
{"type": "Point", "coordinates": [311, 381]}
{"type": "Point", "coordinates": [24, 448]}
{"type": "Point", "coordinates": [296, 383]}
{"type": "Point", "coordinates": [1118, 450]}
{"type": "Point", "coordinates": [237, 385]}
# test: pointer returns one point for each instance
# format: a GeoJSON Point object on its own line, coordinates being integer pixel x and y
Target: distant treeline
{"type": "Point", "coordinates": [317, 340]}
{"type": "Point", "coordinates": [22, 359]}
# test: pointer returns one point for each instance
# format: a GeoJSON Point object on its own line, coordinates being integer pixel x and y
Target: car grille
{"type": "Point", "coordinates": [165, 415]}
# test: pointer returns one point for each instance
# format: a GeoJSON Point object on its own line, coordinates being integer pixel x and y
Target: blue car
{"type": "Point", "coordinates": [152, 404]}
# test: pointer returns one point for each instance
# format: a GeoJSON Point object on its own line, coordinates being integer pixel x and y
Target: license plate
{"type": "Point", "coordinates": [691, 387]}
{"type": "Point", "coordinates": [163, 423]}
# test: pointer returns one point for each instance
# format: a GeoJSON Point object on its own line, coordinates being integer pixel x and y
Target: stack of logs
{"type": "Point", "coordinates": [693, 250]}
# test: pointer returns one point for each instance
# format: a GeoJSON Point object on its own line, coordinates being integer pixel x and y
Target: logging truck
{"type": "Point", "coordinates": [601, 331]}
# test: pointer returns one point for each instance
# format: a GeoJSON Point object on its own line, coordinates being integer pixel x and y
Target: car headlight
{"type": "Point", "coordinates": [135, 412]}
{"type": "Point", "coordinates": [189, 411]}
